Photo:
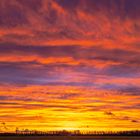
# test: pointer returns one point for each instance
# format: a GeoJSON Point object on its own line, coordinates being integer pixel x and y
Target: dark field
{"type": "Point", "coordinates": [71, 138]}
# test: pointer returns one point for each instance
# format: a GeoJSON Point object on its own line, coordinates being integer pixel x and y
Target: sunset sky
{"type": "Point", "coordinates": [70, 64]}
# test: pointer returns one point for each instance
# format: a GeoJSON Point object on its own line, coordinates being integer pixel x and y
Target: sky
{"type": "Point", "coordinates": [70, 64]}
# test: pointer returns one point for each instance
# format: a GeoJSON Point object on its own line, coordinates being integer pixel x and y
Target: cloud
{"type": "Point", "coordinates": [81, 26]}
{"type": "Point", "coordinates": [109, 113]}
{"type": "Point", "coordinates": [77, 58]}
{"type": "Point", "coordinates": [135, 121]}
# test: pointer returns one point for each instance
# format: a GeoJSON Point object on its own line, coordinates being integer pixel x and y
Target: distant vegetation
{"type": "Point", "coordinates": [27, 132]}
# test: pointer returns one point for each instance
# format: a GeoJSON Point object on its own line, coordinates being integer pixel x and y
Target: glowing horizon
{"type": "Point", "coordinates": [70, 64]}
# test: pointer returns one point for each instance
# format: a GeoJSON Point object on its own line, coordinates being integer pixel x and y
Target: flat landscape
{"type": "Point", "coordinates": [71, 138]}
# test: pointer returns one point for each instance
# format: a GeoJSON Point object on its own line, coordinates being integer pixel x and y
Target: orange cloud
{"type": "Point", "coordinates": [73, 62]}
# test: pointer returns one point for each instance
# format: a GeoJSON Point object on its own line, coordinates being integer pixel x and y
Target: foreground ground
{"type": "Point", "coordinates": [70, 138]}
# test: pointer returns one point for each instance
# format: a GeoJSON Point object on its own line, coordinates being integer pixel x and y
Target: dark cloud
{"type": "Point", "coordinates": [69, 5]}
{"type": "Point", "coordinates": [109, 113]}
{"type": "Point", "coordinates": [123, 70]}
{"type": "Point", "coordinates": [11, 15]}
{"type": "Point", "coordinates": [135, 121]}
{"type": "Point", "coordinates": [68, 96]}
{"type": "Point", "coordinates": [32, 4]}
{"type": "Point", "coordinates": [121, 118]}
{"type": "Point", "coordinates": [131, 90]}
